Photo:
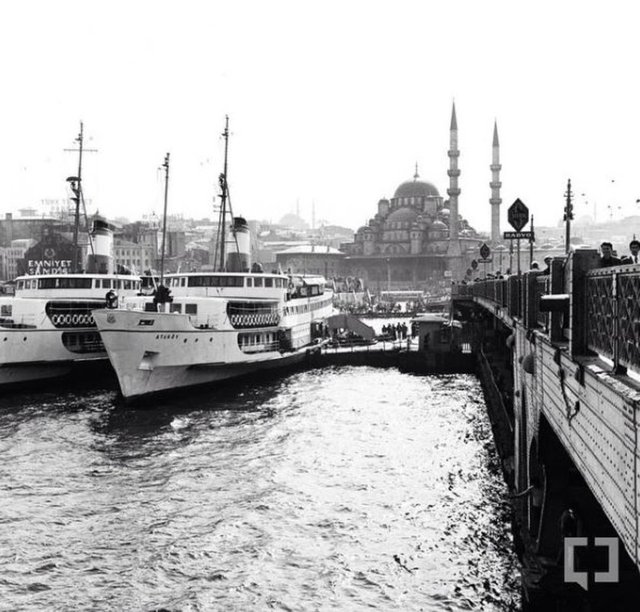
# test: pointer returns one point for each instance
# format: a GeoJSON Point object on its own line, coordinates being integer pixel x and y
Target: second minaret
{"type": "Point", "coordinates": [495, 185]}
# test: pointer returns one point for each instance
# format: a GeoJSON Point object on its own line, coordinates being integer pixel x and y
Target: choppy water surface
{"type": "Point", "coordinates": [346, 488]}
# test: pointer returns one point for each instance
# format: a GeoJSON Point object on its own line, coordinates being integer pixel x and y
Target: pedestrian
{"type": "Point", "coordinates": [634, 247]}
{"type": "Point", "coordinates": [607, 259]}
{"type": "Point", "coordinates": [547, 263]}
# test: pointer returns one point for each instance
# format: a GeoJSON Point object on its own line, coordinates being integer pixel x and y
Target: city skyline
{"type": "Point", "coordinates": [331, 107]}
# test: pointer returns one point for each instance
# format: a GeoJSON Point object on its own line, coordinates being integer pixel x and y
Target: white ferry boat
{"type": "Point", "coordinates": [47, 328]}
{"type": "Point", "coordinates": [218, 326]}
{"type": "Point", "coordinates": [204, 327]}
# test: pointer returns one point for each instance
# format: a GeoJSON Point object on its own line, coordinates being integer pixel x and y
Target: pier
{"type": "Point", "coordinates": [559, 355]}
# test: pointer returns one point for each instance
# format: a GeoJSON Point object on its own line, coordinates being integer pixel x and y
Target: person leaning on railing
{"type": "Point", "coordinates": [607, 258]}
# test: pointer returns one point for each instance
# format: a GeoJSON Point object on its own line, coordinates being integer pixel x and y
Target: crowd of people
{"type": "Point", "coordinates": [398, 331]}
{"type": "Point", "coordinates": [608, 257]}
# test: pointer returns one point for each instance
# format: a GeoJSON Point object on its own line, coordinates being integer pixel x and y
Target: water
{"type": "Point", "coordinates": [345, 488]}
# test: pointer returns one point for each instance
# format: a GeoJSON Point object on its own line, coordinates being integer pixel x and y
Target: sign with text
{"type": "Point", "coordinates": [518, 215]}
{"type": "Point", "coordinates": [486, 260]}
{"type": "Point", "coordinates": [519, 235]}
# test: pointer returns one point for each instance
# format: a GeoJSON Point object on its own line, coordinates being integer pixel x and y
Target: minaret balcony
{"type": "Point", "coordinates": [453, 153]}
{"type": "Point", "coordinates": [495, 184]}
{"type": "Point", "coordinates": [454, 192]}
{"type": "Point", "coordinates": [454, 172]}
{"type": "Point", "coordinates": [495, 167]}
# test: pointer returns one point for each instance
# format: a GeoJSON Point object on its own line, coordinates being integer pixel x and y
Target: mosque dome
{"type": "Point", "coordinates": [403, 215]}
{"type": "Point", "coordinates": [438, 226]}
{"type": "Point", "coordinates": [415, 188]}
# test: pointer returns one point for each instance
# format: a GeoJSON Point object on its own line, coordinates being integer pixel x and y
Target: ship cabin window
{"type": "Point", "coordinates": [191, 309]}
{"type": "Point", "coordinates": [216, 281]}
{"type": "Point", "coordinates": [5, 310]}
{"type": "Point", "coordinates": [64, 283]}
{"type": "Point", "coordinates": [268, 282]}
{"type": "Point", "coordinates": [183, 281]}
{"type": "Point", "coordinates": [249, 281]}
{"type": "Point", "coordinates": [173, 307]}
{"type": "Point", "coordinates": [106, 283]}
{"type": "Point", "coordinates": [257, 281]}
{"type": "Point", "coordinates": [303, 291]}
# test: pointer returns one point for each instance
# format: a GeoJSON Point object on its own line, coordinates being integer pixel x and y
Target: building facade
{"type": "Point", "coordinates": [311, 259]}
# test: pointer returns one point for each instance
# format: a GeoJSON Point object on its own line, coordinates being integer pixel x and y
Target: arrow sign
{"type": "Point", "coordinates": [518, 215]}
{"type": "Point", "coordinates": [485, 251]}
{"type": "Point", "coordinates": [521, 235]}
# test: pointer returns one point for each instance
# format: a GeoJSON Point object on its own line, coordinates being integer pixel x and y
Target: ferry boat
{"type": "Point", "coordinates": [208, 326]}
{"type": "Point", "coordinates": [46, 328]}
{"type": "Point", "coordinates": [217, 326]}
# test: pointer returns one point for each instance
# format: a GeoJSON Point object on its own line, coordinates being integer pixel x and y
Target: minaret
{"type": "Point", "coordinates": [454, 190]}
{"type": "Point", "coordinates": [495, 185]}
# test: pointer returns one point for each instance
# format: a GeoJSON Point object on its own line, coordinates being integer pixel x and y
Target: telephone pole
{"type": "Point", "coordinates": [568, 216]}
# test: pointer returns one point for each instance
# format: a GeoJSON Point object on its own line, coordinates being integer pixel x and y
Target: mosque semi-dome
{"type": "Point", "coordinates": [411, 189]}
{"type": "Point", "coordinates": [403, 215]}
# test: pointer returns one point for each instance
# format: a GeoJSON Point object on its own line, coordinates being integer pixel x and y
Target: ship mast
{"type": "Point", "coordinates": [165, 165]}
{"type": "Point", "coordinates": [76, 186]}
{"type": "Point", "coordinates": [222, 180]}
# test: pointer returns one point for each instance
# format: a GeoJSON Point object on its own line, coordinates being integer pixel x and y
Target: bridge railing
{"type": "Point", "coordinates": [613, 314]}
{"type": "Point", "coordinates": [605, 306]}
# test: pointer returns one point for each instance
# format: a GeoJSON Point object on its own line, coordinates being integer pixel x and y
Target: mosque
{"type": "Point", "coordinates": [417, 239]}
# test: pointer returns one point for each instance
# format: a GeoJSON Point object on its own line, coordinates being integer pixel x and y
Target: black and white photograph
{"type": "Point", "coordinates": [312, 306]}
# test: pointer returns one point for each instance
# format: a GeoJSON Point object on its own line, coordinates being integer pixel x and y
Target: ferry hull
{"type": "Point", "coordinates": [138, 384]}
{"type": "Point", "coordinates": [154, 353]}
{"type": "Point", "coordinates": [32, 355]}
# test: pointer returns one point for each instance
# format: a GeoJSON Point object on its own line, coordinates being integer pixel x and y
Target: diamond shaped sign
{"type": "Point", "coordinates": [518, 215]}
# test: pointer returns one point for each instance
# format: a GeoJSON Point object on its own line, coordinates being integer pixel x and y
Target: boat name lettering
{"type": "Point", "coordinates": [166, 336]}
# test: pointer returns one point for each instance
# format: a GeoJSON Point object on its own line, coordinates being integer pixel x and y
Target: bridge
{"type": "Point", "coordinates": [560, 354]}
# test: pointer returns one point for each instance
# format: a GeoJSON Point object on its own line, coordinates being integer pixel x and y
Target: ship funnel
{"type": "Point", "coordinates": [239, 246]}
{"type": "Point", "coordinates": [101, 260]}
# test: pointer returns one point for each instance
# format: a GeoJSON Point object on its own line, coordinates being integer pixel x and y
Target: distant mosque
{"type": "Point", "coordinates": [417, 237]}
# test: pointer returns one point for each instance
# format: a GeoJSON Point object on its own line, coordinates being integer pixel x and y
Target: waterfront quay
{"type": "Point", "coordinates": [560, 359]}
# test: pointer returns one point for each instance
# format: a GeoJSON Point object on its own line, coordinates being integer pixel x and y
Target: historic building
{"type": "Point", "coordinates": [417, 239]}
{"type": "Point", "coordinates": [312, 259]}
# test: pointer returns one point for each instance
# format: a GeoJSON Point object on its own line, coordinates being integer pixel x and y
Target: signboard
{"type": "Point", "coordinates": [518, 215]}
{"type": "Point", "coordinates": [48, 266]}
{"type": "Point", "coordinates": [485, 261]}
{"type": "Point", "coordinates": [520, 235]}
{"type": "Point", "coordinates": [52, 255]}
{"type": "Point", "coordinates": [485, 251]}
{"type": "Point", "coordinates": [474, 264]}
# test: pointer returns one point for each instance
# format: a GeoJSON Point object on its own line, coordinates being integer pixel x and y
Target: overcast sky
{"type": "Point", "coordinates": [329, 102]}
